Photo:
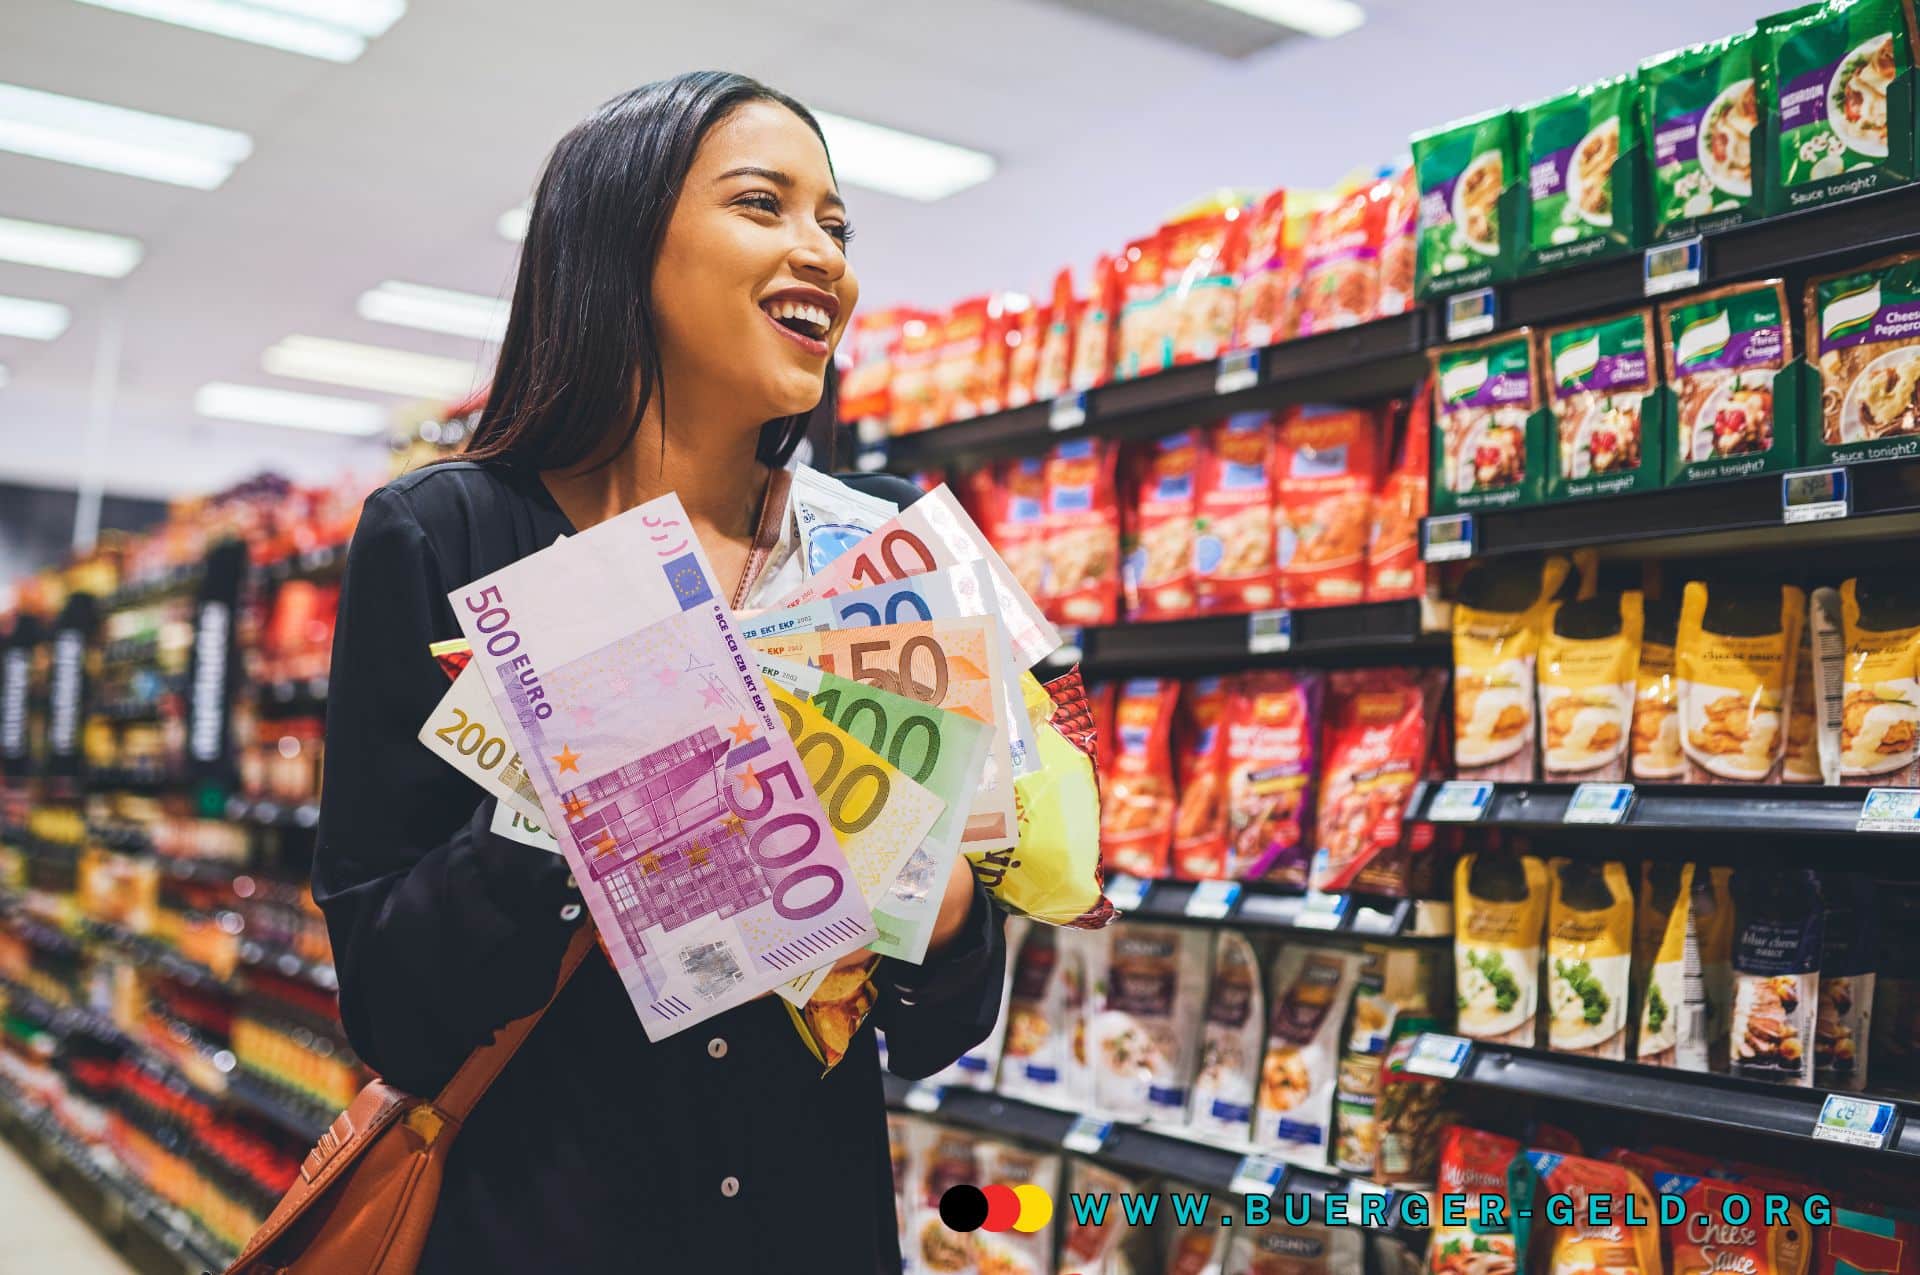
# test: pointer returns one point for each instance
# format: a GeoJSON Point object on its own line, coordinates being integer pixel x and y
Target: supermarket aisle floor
{"type": "Point", "coordinates": [42, 1234]}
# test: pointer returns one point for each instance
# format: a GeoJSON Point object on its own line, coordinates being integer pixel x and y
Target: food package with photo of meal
{"type": "Point", "coordinates": [1608, 422]}
{"type": "Point", "coordinates": [1500, 918]}
{"type": "Point", "coordinates": [1581, 1239]}
{"type": "Point", "coordinates": [1200, 819]}
{"type": "Point", "coordinates": [1137, 799]}
{"type": "Point", "coordinates": [1281, 1249]}
{"type": "Point", "coordinates": [1269, 273]}
{"type": "Point", "coordinates": [1144, 1040]}
{"type": "Point", "coordinates": [1053, 369]}
{"type": "Point", "coordinates": [1324, 472]}
{"type": "Point", "coordinates": [1024, 339]}
{"type": "Point", "coordinates": [1411, 1112]}
{"type": "Point", "coordinates": [1849, 960]}
{"type": "Point", "coordinates": [1013, 1251]}
{"type": "Point", "coordinates": [1272, 748]}
{"type": "Point", "coordinates": [1863, 330]}
{"type": "Point", "coordinates": [1684, 919]}
{"type": "Point", "coordinates": [1737, 651]}
{"type": "Point", "coordinates": [913, 399]}
{"type": "Point", "coordinates": [1880, 705]}
{"type": "Point", "coordinates": [1199, 1249]}
{"type": "Point", "coordinates": [1802, 761]}
{"type": "Point", "coordinates": [1735, 413]}
{"type": "Point", "coordinates": [1144, 326]}
{"type": "Point", "coordinates": [1585, 174]}
{"type": "Point", "coordinates": [1034, 1057]}
{"type": "Point", "coordinates": [1381, 1005]}
{"type": "Point", "coordinates": [1464, 169]}
{"type": "Point", "coordinates": [1083, 532]}
{"type": "Point", "coordinates": [1095, 329]}
{"type": "Point", "coordinates": [1655, 751]}
{"type": "Point", "coordinates": [1203, 255]}
{"type": "Point", "coordinates": [1158, 569]}
{"type": "Point", "coordinates": [1779, 921]}
{"type": "Point", "coordinates": [1489, 445]}
{"type": "Point", "coordinates": [1499, 619]}
{"type": "Point", "coordinates": [1589, 957]}
{"type": "Point", "coordinates": [1399, 243]}
{"type": "Point", "coordinates": [1312, 987]}
{"type": "Point", "coordinates": [1232, 1040]}
{"type": "Point", "coordinates": [1705, 1191]}
{"type": "Point", "coordinates": [1701, 105]}
{"type": "Point", "coordinates": [1394, 565]}
{"type": "Point", "coordinates": [1234, 542]}
{"type": "Point", "coordinates": [1473, 1163]}
{"type": "Point", "coordinates": [1587, 675]}
{"type": "Point", "coordinates": [940, 1158]}
{"type": "Point", "coordinates": [1009, 500]}
{"type": "Point", "coordinates": [1105, 1243]}
{"type": "Point", "coordinates": [1836, 81]}
{"type": "Point", "coordinates": [1340, 276]}
{"type": "Point", "coordinates": [1378, 735]}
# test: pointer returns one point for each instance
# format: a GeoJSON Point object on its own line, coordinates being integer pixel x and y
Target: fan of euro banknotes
{"type": "Point", "coordinates": [746, 799]}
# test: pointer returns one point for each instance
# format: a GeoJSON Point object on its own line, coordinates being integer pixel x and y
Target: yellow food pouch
{"type": "Point", "coordinates": [1656, 751]}
{"type": "Point", "coordinates": [1735, 658]}
{"type": "Point", "coordinates": [1589, 661]}
{"type": "Point", "coordinates": [1500, 910]}
{"type": "Point", "coordinates": [1497, 623]}
{"type": "Point", "coordinates": [1880, 711]}
{"type": "Point", "coordinates": [1589, 958]}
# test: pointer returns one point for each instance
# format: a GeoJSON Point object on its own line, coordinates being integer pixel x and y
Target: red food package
{"type": "Point", "coordinates": [1340, 278]}
{"type": "Point", "coordinates": [1202, 257]}
{"type": "Point", "coordinates": [1394, 568]}
{"type": "Point", "coordinates": [987, 387]}
{"type": "Point", "coordinates": [1866, 1242]}
{"type": "Point", "coordinates": [1018, 518]}
{"type": "Point", "coordinates": [1200, 821]}
{"type": "Point", "coordinates": [1379, 729]}
{"type": "Point", "coordinates": [1055, 367]}
{"type": "Point", "coordinates": [1094, 332]}
{"type": "Point", "coordinates": [1023, 356]}
{"type": "Point", "coordinates": [1323, 479]}
{"type": "Point", "coordinates": [866, 358]}
{"type": "Point", "coordinates": [1100, 704]}
{"type": "Point", "coordinates": [1136, 804]}
{"type": "Point", "coordinates": [1083, 533]}
{"type": "Point", "coordinates": [1272, 733]}
{"type": "Point", "coordinates": [1158, 571]}
{"type": "Point", "coordinates": [963, 340]}
{"type": "Point", "coordinates": [1397, 244]}
{"type": "Point", "coordinates": [1233, 551]}
{"type": "Point", "coordinates": [1473, 1163]}
{"type": "Point", "coordinates": [914, 402]}
{"type": "Point", "coordinates": [1262, 276]}
{"type": "Point", "coordinates": [1145, 324]}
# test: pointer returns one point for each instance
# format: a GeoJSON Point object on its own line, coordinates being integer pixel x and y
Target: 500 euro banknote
{"type": "Point", "coordinates": [675, 793]}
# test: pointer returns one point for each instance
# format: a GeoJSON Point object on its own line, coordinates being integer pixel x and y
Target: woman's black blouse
{"type": "Point", "coordinates": [720, 1149]}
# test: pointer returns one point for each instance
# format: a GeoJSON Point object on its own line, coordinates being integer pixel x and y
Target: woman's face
{"type": "Point", "coordinates": [752, 289]}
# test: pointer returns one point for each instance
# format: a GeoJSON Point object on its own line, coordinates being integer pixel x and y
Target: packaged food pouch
{"type": "Point", "coordinates": [1800, 763]}
{"type": "Point", "coordinates": [1603, 375]}
{"type": "Point", "coordinates": [1498, 622]}
{"type": "Point", "coordinates": [1294, 1108]}
{"type": "Point", "coordinates": [1323, 480]}
{"type": "Point", "coordinates": [944, 1158]}
{"type": "Point", "coordinates": [1737, 651]}
{"type": "Point", "coordinates": [1485, 395]}
{"type": "Point", "coordinates": [1674, 930]}
{"type": "Point", "coordinates": [1473, 1163]}
{"type": "Point", "coordinates": [1263, 276]}
{"type": "Point", "coordinates": [1023, 356]}
{"type": "Point", "coordinates": [1083, 533]}
{"type": "Point", "coordinates": [1158, 570]}
{"type": "Point", "coordinates": [1014, 1250]}
{"type": "Point", "coordinates": [1829, 69]}
{"type": "Point", "coordinates": [963, 335]}
{"type": "Point", "coordinates": [1200, 819]}
{"type": "Point", "coordinates": [1203, 258]}
{"type": "Point", "coordinates": [1233, 551]}
{"type": "Point", "coordinates": [1656, 753]}
{"type": "Point", "coordinates": [1137, 806]}
{"type": "Point", "coordinates": [1144, 323]}
{"type": "Point", "coordinates": [866, 365]}
{"type": "Point", "coordinates": [1849, 959]}
{"type": "Point", "coordinates": [1615, 1245]}
{"type": "Point", "coordinates": [1379, 736]}
{"type": "Point", "coordinates": [1702, 112]}
{"type": "Point", "coordinates": [1778, 919]}
{"type": "Point", "coordinates": [1579, 148]}
{"type": "Point", "coordinates": [1411, 1112]}
{"type": "Point", "coordinates": [1589, 958]}
{"type": "Point", "coordinates": [1880, 715]}
{"type": "Point", "coordinates": [1340, 279]}
{"type": "Point", "coordinates": [1721, 349]}
{"type": "Point", "coordinates": [1714, 924]}
{"type": "Point", "coordinates": [1399, 236]}
{"type": "Point", "coordinates": [1103, 1240]}
{"type": "Point", "coordinates": [1020, 532]}
{"type": "Point", "coordinates": [1868, 1241]}
{"type": "Point", "coordinates": [1589, 662]}
{"type": "Point", "coordinates": [1273, 727]}
{"type": "Point", "coordinates": [1231, 1043]}
{"type": "Point", "coordinates": [900, 1136]}
{"type": "Point", "coordinates": [1462, 168]}
{"type": "Point", "coordinates": [1035, 1057]}
{"type": "Point", "coordinates": [1145, 1039]}
{"type": "Point", "coordinates": [1394, 566]}
{"type": "Point", "coordinates": [1083, 957]}
{"type": "Point", "coordinates": [1500, 914]}
{"type": "Point", "coordinates": [1865, 340]}
{"type": "Point", "coordinates": [1282, 1249]}
{"type": "Point", "coordinates": [1054, 367]}
{"type": "Point", "coordinates": [1198, 1250]}
{"type": "Point", "coordinates": [913, 398]}
{"type": "Point", "coordinates": [1706, 1243]}
{"type": "Point", "coordinates": [1093, 335]}
{"type": "Point", "coordinates": [1380, 1013]}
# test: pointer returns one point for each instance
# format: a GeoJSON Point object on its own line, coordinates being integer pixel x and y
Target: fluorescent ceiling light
{"type": "Point", "coordinates": [411, 305]}
{"type": "Point", "coordinates": [256, 24]}
{"type": "Point", "coordinates": [513, 223]}
{"type": "Point", "coordinates": [370, 18]}
{"type": "Point", "coordinates": [116, 140]}
{"type": "Point", "coordinates": [34, 320]}
{"type": "Point", "coordinates": [258, 405]}
{"type": "Point", "coordinates": [370, 367]}
{"type": "Point", "coordinates": [31, 243]}
{"type": "Point", "coordinates": [1324, 18]}
{"type": "Point", "coordinates": [897, 163]}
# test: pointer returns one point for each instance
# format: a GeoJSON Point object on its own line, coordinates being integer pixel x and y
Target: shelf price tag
{"type": "Point", "coordinates": [1815, 495]}
{"type": "Point", "coordinates": [1674, 267]}
{"type": "Point", "coordinates": [924, 1097]}
{"type": "Point", "coordinates": [1238, 371]}
{"type": "Point", "coordinates": [1460, 801]}
{"type": "Point", "coordinates": [1856, 1121]}
{"type": "Point", "coordinates": [1213, 900]}
{"type": "Point", "coordinates": [1890, 810]}
{"type": "Point", "coordinates": [1439, 1056]}
{"type": "Point", "coordinates": [1087, 1135]}
{"type": "Point", "coordinates": [1128, 893]}
{"type": "Point", "coordinates": [1471, 314]}
{"type": "Point", "coordinates": [1069, 411]}
{"type": "Point", "coordinates": [1599, 803]}
{"type": "Point", "coordinates": [1447, 538]}
{"type": "Point", "coordinates": [1258, 1175]}
{"type": "Point", "coordinates": [1269, 632]}
{"type": "Point", "coordinates": [1322, 911]}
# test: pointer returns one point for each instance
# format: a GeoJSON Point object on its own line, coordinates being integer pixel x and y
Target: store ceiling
{"type": "Point", "coordinates": [398, 165]}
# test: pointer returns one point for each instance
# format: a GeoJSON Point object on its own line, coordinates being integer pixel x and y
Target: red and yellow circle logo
{"type": "Point", "coordinates": [1025, 1208]}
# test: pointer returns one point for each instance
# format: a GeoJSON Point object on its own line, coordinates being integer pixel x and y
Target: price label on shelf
{"type": "Point", "coordinates": [924, 1097]}
{"type": "Point", "coordinates": [1069, 411]}
{"type": "Point", "coordinates": [1674, 267]}
{"type": "Point", "coordinates": [1599, 803]}
{"type": "Point", "coordinates": [1448, 538]}
{"type": "Point", "coordinates": [1459, 801]}
{"type": "Point", "coordinates": [1269, 632]}
{"type": "Point", "coordinates": [1815, 495]}
{"type": "Point", "coordinates": [1890, 810]}
{"type": "Point", "coordinates": [1439, 1056]}
{"type": "Point", "coordinates": [1322, 911]}
{"type": "Point", "coordinates": [1471, 314]}
{"type": "Point", "coordinates": [1258, 1175]}
{"type": "Point", "coordinates": [1856, 1121]}
{"type": "Point", "coordinates": [1213, 900]}
{"type": "Point", "coordinates": [1238, 371]}
{"type": "Point", "coordinates": [1087, 1135]}
{"type": "Point", "coordinates": [1126, 893]}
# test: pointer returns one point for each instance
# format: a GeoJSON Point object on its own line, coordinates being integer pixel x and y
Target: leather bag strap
{"type": "Point", "coordinates": [477, 1074]}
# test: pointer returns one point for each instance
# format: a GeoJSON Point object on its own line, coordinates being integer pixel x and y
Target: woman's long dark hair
{"type": "Point", "coordinates": [581, 334]}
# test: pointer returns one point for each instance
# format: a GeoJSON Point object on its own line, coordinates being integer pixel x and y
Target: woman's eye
{"type": "Point", "coordinates": [841, 232]}
{"type": "Point", "coordinates": [760, 202]}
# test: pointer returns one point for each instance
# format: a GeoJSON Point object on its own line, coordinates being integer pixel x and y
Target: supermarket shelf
{"type": "Point", "coordinates": [307, 565]}
{"type": "Point", "coordinates": [155, 955]}
{"type": "Point", "coordinates": [177, 580]}
{"type": "Point", "coordinates": [291, 697]}
{"type": "Point", "coordinates": [297, 1116]}
{"type": "Point", "coordinates": [1254, 906]}
{"type": "Point", "coordinates": [1372, 360]}
{"type": "Point", "coordinates": [273, 959]}
{"type": "Point", "coordinates": [274, 814]}
{"type": "Point", "coordinates": [1720, 1101]}
{"type": "Point", "coordinates": [1740, 810]}
{"type": "Point", "coordinates": [1347, 635]}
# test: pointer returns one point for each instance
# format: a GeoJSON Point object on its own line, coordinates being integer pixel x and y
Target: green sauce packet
{"type": "Point", "coordinates": [1463, 171]}
{"type": "Point", "coordinates": [1700, 107]}
{"type": "Point", "coordinates": [1584, 164]}
{"type": "Point", "coordinates": [1837, 84]}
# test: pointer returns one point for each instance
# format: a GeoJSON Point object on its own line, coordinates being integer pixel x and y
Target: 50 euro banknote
{"type": "Point", "coordinates": [675, 793]}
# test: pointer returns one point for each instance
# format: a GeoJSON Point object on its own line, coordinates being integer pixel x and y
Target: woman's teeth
{"type": "Point", "coordinates": [810, 320]}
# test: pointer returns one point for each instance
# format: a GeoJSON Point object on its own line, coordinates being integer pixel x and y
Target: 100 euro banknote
{"type": "Point", "coordinates": [676, 795]}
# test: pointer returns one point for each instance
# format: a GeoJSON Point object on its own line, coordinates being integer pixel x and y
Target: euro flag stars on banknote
{"type": "Point", "coordinates": [708, 864]}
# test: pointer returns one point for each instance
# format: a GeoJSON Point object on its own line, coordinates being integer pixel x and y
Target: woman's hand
{"type": "Point", "coordinates": [954, 906]}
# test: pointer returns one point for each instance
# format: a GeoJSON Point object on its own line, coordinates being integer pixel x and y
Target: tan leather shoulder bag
{"type": "Point", "coordinates": [365, 1197]}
